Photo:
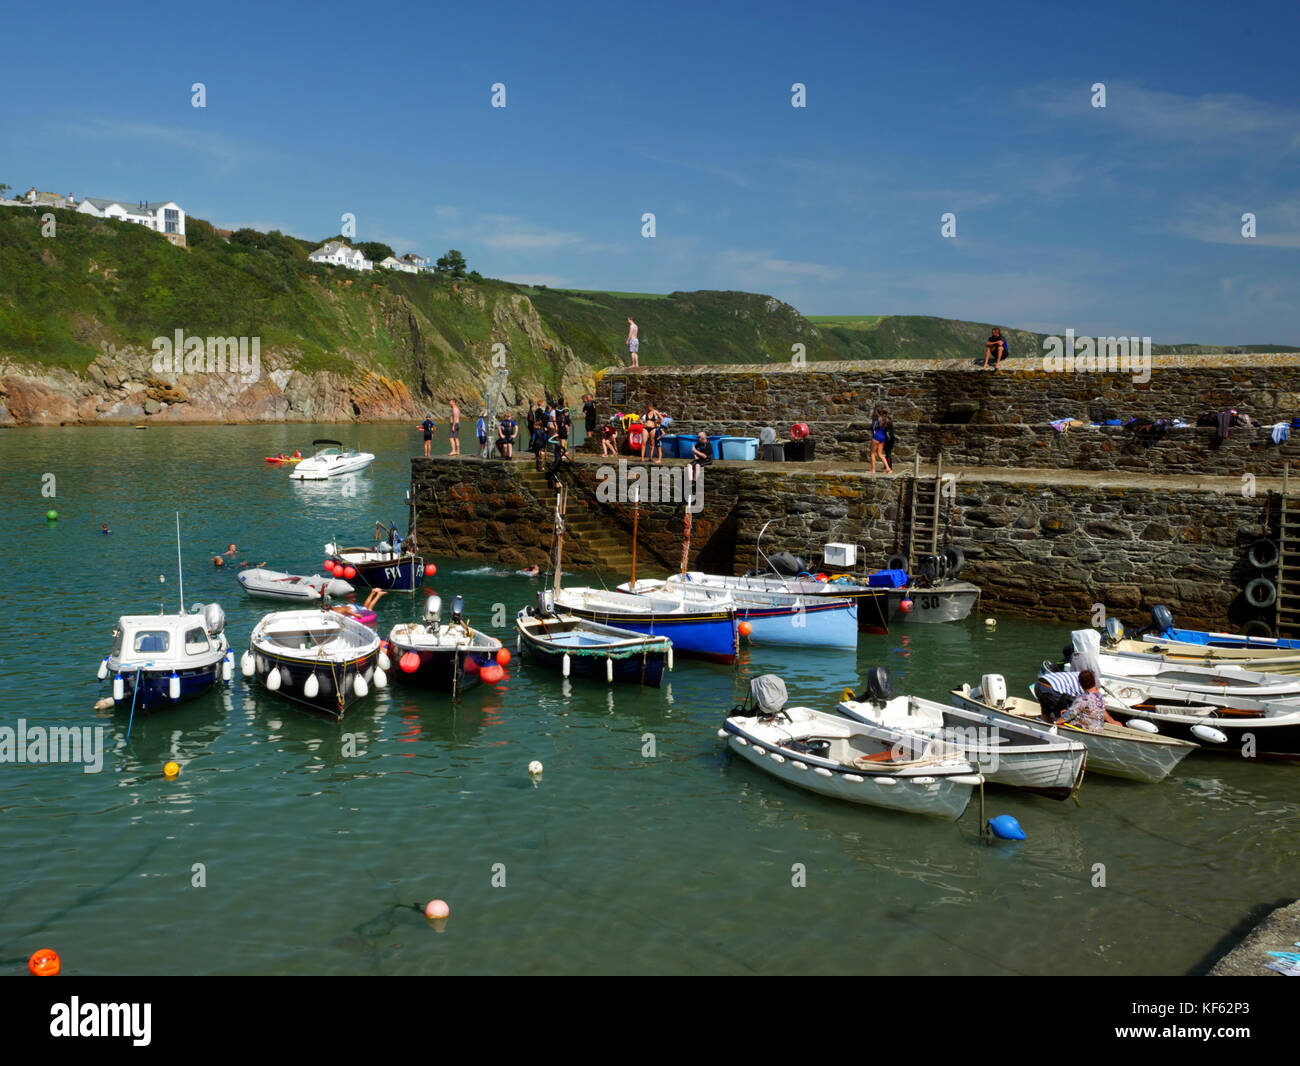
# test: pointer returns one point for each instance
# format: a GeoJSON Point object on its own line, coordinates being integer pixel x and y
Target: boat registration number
{"type": "Point", "coordinates": [393, 573]}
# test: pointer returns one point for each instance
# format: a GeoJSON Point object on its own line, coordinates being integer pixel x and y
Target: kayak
{"type": "Point", "coordinates": [285, 458]}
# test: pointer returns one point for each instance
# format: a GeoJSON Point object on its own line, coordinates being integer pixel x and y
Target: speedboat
{"type": "Point", "coordinates": [330, 460]}
{"type": "Point", "coordinates": [774, 616]}
{"type": "Point", "coordinates": [1006, 753]}
{"type": "Point", "coordinates": [324, 660]}
{"type": "Point", "coordinates": [574, 645]}
{"type": "Point", "coordinates": [1118, 751]}
{"type": "Point", "coordinates": [161, 659]}
{"type": "Point", "coordinates": [834, 756]}
{"type": "Point", "coordinates": [273, 585]}
{"type": "Point", "coordinates": [451, 656]}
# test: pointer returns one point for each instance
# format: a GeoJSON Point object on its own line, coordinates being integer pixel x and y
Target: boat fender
{"type": "Point", "coordinates": [670, 657]}
{"type": "Point", "coordinates": [228, 667]}
{"type": "Point", "coordinates": [609, 668]}
{"type": "Point", "coordinates": [1006, 828]}
{"type": "Point", "coordinates": [1142, 725]}
{"type": "Point", "coordinates": [385, 663]}
{"type": "Point", "coordinates": [564, 665]}
{"type": "Point", "coordinates": [1261, 592]}
{"type": "Point", "coordinates": [722, 733]}
{"type": "Point", "coordinates": [119, 689]}
{"type": "Point", "coordinates": [775, 757]}
{"type": "Point", "coordinates": [1257, 627]}
{"type": "Point", "coordinates": [896, 562]}
{"type": "Point", "coordinates": [846, 695]}
{"type": "Point", "coordinates": [311, 687]}
{"type": "Point", "coordinates": [273, 681]}
{"type": "Point", "coordinates": [1209, 734]}
{"type": "Point", "coordinates": [359, 686]}
{"type": "Point", "coordinates": [519, 645]}
{"type": "Point", "coordinates": [174, 686]}
{"type": "Point", "coordinates": [956, 560]}
{"type": "Point", "coordinates": [246, 664]}
{"type": "Point", "coordinates": [381, 678]}
{"type": "Point", "coordinates": [798, 765]}
{"type": "Point", "coordinates": [921, 780]}
{"type": "Point", "coordinates": [103, 669]}
{"type": "Point", "coordinates": [822, 771]}
{"type": "Point", "coordinates": [857, 779]}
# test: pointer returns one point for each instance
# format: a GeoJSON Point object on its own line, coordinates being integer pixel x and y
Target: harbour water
{"type": "Point", "coordinates": [290, 844]}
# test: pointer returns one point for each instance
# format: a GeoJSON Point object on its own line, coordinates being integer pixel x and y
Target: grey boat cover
{"type": "Point", "coordinates": [768, 693]}
{"type": "Point", "coordinates": [1087, 642]}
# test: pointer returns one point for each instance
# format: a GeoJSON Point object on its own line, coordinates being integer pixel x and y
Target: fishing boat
{"type": "Point", "coordinates": [1117, 751]}
{"type": "Point", "coordinates": [1168, 643]}
{"type": "Point", "coordinates": [321, 659]}
{"type": "Point", "coordinates": [1006, 753]}
{"type": "Point", "coordinates": [835, 756]}
{"type": "Point", "coordinates": [330, 460]}
{"type": "Point", "coordinates": [773, 616]}
{"type": "Point", "coordinates": [697, 630]}
{"type": "Point", "coordinates": [386, 564]}
{"type": "Point", "coordinates": [274, 585]}
{"type": "Point", "coordinates": [449, 656]}
{"type": "Point", "coordinates": [573, 645]}
{"type": "Point", "coordinates": [161, 659]}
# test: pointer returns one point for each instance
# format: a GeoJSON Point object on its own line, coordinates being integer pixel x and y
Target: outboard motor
{"type": "Point", "coordinates": [545, 602]}
{"type": "Point", "coordinates": [879, 687]}
{"type": "Point", "coordinates": [993, 687]}
{"type": "Point", "coordinates": [433, 610]}
{"type": "Point", "coordinates": [214, 619]}
{"type": "Point", "coordinates": [1162, 618]}
{"type": "Point", "coordinates": [768, 693]}
{"type": "Point", "coordinates": [1114, 631]}
{"type": "Point", "coordinates": [458, 608]}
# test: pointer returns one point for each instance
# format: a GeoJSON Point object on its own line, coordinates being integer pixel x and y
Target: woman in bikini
{"type": "Point", "coordinates": [880, 426]}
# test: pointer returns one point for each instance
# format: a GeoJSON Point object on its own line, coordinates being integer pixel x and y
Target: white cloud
{"type": "Point", "coordinates": [761, 268]}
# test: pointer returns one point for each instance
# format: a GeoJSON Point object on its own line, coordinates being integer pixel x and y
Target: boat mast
{"type": "Point", "coordinates": [560, 500]}
{"type": "Point", "coordinates": [686, 541]}
{"type": "Point", "coordinates": [180, 575]}
{"type": "Point", "coordinates": [636, 510]}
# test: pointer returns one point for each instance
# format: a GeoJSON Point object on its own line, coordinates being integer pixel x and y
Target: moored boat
{"type": "Point", "coordinates": [1168, 643]}
{"type": "Point", "coordinates": [1117, 751]}
{"type": "Point", "coordinates": [274, 585]}
{"type": "Point", "coordinates": [834, 756]}
{"type": "Point", "coordinates": [574, 645]}
{"type": "Point", "coordinates": [330, 460]}
{"type": "Point", "coordinates": [384, 565]}
{"type": "Point", "coordinates": [450, 656]}
{"type": "Point", "coordinates": [161, 659]}
{"type": "Point", "coordinates": [1015, 754]}
{"type": "Point", "coordinates": [318, 658]}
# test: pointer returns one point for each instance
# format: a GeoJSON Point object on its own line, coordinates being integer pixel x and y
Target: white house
{"type": "Point", "coordinates": [392, 263]}
{"type": "Point", "coordinates": [336, 253]}
{"type": "Point", "coordinates": [166, 217]}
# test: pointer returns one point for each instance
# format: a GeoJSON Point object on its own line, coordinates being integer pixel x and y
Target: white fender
{"type": "Point", "coordinates": [564, 665]}
{"type": "Point", "coordinates": [359, 686]}
{"type": "Point", "coordinates": [775, 757]}
{"type": "Point", "coordinates": [670, 657]}
{"type": "Point", "coordinates": [890, 781]}
{"type": "Point", "coordinates": [966, 779]}
{"type": "Point", "coordinates": [228, 666]}
{"type": "Point", "coordinates": [855, 778]}
{"type": "Point", "coordinates": [1142, 725]}
{"type": "Point", "coordinates": [381, 678]}
{"type": "Point", "coordinates": [246, 664]}
{"type": "Point", "coordinates": [922, 780]}
{"type": "Point", "coordinates": [311, 687]}
{"type": "Point", "coordinates": [798, 765]}
{"type": "Point", "coordinates": [519, 643]}
{"type": "Point", "coordinates": [1209, 734]}
{"type": "Point", "coordinates": [103, 669]}
{"type": "Point", "coordinates": [609, 669]}
{"type": "Point", "coordinates": [174, 686]}
{"type": "Point", "coordinates": [385, 663]}
{"type": "Point", "coordinates": [722, 733]}
{"type": "Point", "coordinates": [759, 751]}
{"type": "Point", "coordinates": [822, 770]}
{"type": "Point", "coordinates": [119, 689]}
{"type": "Point", "coordinates": [273, 681]}
{"type": "Point", "coordinates": [742, 742]}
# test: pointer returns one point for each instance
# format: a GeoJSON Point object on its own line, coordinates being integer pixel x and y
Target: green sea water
{"type": "Point", "coordinates": [643, 848]}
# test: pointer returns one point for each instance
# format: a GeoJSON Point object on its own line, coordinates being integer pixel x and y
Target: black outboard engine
{"type": "Point", "coordinates": [879, 687]}
{"type": "Point", "coordinates": [1162, 617]}
{"type": "Point", "coordinates": [457, 609]}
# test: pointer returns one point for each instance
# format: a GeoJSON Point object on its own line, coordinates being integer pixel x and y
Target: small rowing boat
{"type": "Point", "coordinates": [574, 645]}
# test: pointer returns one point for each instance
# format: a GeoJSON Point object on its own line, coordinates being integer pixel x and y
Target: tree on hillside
{"type": "Point", "coordinates": [452, 264]}
{"type": "Point", "coordinates": [375, 251]}
{"type": "Point", "coordinates": [4, 189]}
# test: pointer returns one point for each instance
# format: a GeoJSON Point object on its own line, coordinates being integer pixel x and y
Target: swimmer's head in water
{"type": "Point", "coordinates": [218, 561]}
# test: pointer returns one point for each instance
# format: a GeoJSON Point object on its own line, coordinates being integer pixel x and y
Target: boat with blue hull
{"type": "Point", "coordinates": [575, 646]}
{"type": "Point", "coordinates": [1168, 643]}
{"type": "Point", "coordinates": [774, 616]}
{"type": "Point", "coordinates": [696, 631]}
{"type": "Point", "coordinates": [159, 660]}
{"type": "Point", "coordinates": [382, 566]}
{"type": "Point", "coordinates": [448, 656]}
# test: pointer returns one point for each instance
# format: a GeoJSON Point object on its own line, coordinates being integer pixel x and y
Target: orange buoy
{"type": "Point", "coordinates": [745, 629]}
{"type": "Point", "coordinates": [409, 662]}
{"type": "Point", "coordinates": [430, 569]}
{"type": "Point", "coordinates": [44, 963]}
{"type": "Point", "coordinates": [491, 674]}
{"type": "Point", "coordinates": [503, 657]}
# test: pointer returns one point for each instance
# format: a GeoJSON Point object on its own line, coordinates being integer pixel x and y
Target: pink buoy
{"type": "Point", "coordinates": [436, 909]}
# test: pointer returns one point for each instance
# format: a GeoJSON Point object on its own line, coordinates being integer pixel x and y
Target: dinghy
{"type": "Point", "coordinates": [1166, 642]}
{"type": "Point", "coordinates": [449, 656]}
{"type": "Point", "coordinates": [330, 460]}
{"type": "Point", "coordinates": [1005, 752]}
{"type": "Point", "coordinates": [833, 756]}
{"type": "Point", "coordinates": [574, 645]}
{"type": "Point", "coordinates": [1117, 751]}
{"type": "Point", "coordinates": [324, 660]}
{"type": "Point", "coordinates": [273, 585]}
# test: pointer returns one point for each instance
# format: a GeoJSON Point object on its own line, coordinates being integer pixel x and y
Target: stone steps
{"type": "Point", "coordinates": [583, 524]}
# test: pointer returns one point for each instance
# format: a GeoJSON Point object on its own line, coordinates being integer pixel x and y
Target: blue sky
{"type": "Point", "coordinates": [1122, 220]}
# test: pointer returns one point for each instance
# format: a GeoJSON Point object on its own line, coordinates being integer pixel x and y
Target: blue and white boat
{"type": "Point", "coordinates": [384, 565]}
{"type": "Point", "coordinates": [573, 645]}
{"type": "Point", "coordinates": [774, 615]}
{"type": "Point", "coordinates": [697, 630]}
{"type": "Point", "coordinates": [1169, 644]}
{"type": "Point", "coordinates": [162, 659]}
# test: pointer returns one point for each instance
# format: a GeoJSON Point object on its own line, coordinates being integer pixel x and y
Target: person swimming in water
{"type": "Point", "coordinates": [531, 571]}
{"type": "Point", "coordinates": [105, 530]}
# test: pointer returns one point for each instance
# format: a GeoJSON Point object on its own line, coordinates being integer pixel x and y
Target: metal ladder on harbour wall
{"type": "Point", "coordinates": [1286, 616]}
{"type": "Point", "coordinates": [925, 514]}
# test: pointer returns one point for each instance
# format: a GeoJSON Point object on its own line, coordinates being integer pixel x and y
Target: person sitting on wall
{"type": "Point", "coordinates": [995, 346]}
{"type": "Point", "coordinates": [608, 440]}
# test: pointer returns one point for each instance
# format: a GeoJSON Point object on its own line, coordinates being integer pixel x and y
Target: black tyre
{"type": "Point", "coordinates": [896, 562]}
{"type": "Point", "coordinates": [1257, 627]}
{"type": "Point", "coordinates": [1262, 555]}
{"type": "Point", "coordinates": [956, 560]}
{"type": "Point", "coordinates": [1261, 593]}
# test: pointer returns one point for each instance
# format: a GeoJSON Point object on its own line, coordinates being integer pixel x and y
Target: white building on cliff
{"type": "Point", "coordinates": [336, 253]}
{"type": "Point", "coordinates": [162, 216]}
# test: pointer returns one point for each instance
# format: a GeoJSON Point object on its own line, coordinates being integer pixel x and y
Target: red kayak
{"type": "Point", "coordinates": [284, 458]}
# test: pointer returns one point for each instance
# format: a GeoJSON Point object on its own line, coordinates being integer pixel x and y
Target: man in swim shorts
{"type": "Point", "coordinates": [633, 343]}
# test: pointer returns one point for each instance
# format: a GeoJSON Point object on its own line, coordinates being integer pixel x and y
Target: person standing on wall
{"type": "Point", "coordinates": [427, 425]}
{"type": "Point", "coordinates": [589, 415]}
{"type": "Point", "coordinates": [454, 432]}
{"type": "Point", "coordinates": [633, 342]}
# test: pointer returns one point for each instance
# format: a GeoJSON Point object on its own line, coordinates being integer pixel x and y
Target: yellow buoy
{"type": "Point", "coordinates": [171, 770]}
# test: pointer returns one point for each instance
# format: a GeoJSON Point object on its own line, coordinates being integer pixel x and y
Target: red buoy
{"type": "Point", "coordinates": [409, 662]}
{"type": "Point", "coordinates": [906, 605]}
{"type": "Point", "coordinates": [349, 572]}
{"type": "Point", "coordinates": [329, 566]}
{"type": "Point", "coordinates": [745, 629]}
{"type": "Point", "coordinates": [44, 963]}
{"type": "Point", "coordinates": [430, 569]}
{"type": "Point", "coordinates": [492, 673]}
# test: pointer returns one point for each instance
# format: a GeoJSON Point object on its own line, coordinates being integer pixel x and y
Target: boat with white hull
{"type": "Point", "coordinates": [330, 460]}
{"type": "Point", "coordinates": [1015, 754]}
{"type": "Point", "coordinates": [1117, 751]}
{"type": "Point", "coordinates": [1167, 643]}
{"type": "Point", "coordinates": [833, 756]}
{"type": "Point", "coordinates": [324, 660]}
{"type": "Point", "coordinates": [274, 585]}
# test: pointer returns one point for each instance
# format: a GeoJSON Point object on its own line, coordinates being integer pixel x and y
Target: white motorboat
{"type": "Point", "coordinates": [273, 585]}
{"type": "Point", "coordinates": [1006, 752]}
{"type": "Point", "coordinates": [330, 460]}
{"type": "Point", "coordinates": [161, 659]}
{"type": "Point", "coordinates": [322, 659]}
{"type": "Point", "coordinates": [834, 756]}
{"type": "Point", "coordinates": [1117, 751]}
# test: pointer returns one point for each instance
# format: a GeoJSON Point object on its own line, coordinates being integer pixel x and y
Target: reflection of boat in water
{"type": "Point", "coordinates": [837, 757]}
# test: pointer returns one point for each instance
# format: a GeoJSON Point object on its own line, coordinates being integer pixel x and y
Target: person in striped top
{"type": "Point", "coordinates": [1056, 691]}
